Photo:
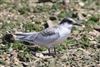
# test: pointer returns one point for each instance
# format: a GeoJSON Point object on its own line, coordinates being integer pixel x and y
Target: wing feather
{"type": "Point", "coordinates": [47, 36]}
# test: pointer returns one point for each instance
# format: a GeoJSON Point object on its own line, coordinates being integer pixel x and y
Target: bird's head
{"type": "Point", "coordinates": [69, 22]}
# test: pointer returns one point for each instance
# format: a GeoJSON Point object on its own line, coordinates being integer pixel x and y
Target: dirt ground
{"type": "Point", "coordinates": [81, 49]}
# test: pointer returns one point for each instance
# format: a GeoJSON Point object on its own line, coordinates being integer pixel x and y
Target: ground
{"type": "Point", "coordinates": [81, 49]}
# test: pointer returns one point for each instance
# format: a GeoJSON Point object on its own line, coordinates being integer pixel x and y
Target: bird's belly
{"type": "Point", "coordinates": [53, 43]}
{"type": "Point", "coordinates": [60, 40]}
{"type": "Point", "coordinates": [63, 37]}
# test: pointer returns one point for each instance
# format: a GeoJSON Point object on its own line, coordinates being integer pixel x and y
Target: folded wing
{"type": "Point", "coordinates": [47, 36]}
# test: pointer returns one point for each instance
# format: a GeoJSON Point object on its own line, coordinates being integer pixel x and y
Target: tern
{"type": "Point", "coordinates": [48, 37]}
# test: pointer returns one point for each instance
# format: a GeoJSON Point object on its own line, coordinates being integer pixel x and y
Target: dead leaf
{"type": "Point", "coordinates": [97, 28]}
{"type": "Point", "coordinates": [94, 33]}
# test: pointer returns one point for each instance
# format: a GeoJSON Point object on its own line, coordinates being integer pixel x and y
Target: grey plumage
{"type": "Point", "coordinates": [50, 36]}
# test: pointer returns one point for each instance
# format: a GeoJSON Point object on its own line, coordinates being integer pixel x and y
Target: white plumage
{"type": "Point", "coordinates": [50, 36]}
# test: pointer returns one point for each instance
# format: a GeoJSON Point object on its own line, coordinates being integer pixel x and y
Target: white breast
{"type": "Point", "coordinates": [64, 33]}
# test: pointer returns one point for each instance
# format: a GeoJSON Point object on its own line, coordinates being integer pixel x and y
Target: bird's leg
{"type": "Point", "coordinates": [55, 51]}
{"type": "Point", "coordinates": [49, 52]}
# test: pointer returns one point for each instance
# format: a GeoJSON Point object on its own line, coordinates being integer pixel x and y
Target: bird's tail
{"type": "Point", "coordinates": [27, 37]}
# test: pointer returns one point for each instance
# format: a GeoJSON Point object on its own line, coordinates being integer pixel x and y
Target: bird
{"type": "Point", "coordinates": [48, 37]}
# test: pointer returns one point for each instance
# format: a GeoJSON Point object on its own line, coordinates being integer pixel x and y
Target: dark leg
{"type": "Point", "coordinates": [52, 54]}
{"type": "Point", "coordinates": [55, 51]}
{"type": "Point", "coordinates": [49, 52]}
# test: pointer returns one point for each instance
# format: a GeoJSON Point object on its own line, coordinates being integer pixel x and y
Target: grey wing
{"type": "Point", "coordinates": [47, 36]}
{"type": "Point", "coordinates": [28, 37]}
